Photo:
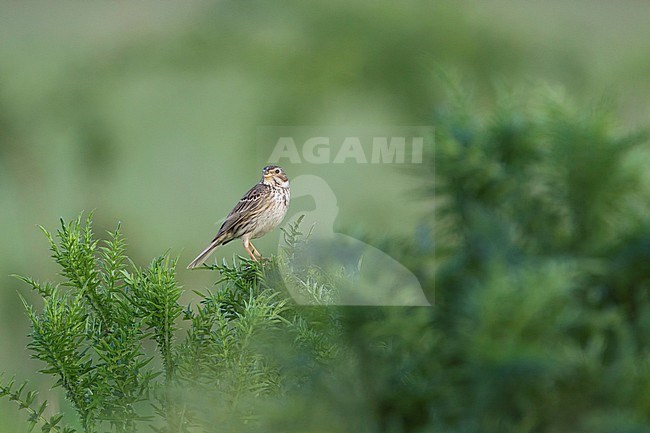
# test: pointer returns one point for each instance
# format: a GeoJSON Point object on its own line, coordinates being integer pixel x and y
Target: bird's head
{"type": "Point", "coordinates": [274, 176]}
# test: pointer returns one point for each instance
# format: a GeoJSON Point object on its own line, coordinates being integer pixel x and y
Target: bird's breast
{"type": "Point", "coordinates": [273, 215]}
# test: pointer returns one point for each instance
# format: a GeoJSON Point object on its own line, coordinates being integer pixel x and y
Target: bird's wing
{"type": "Point", "coordinates": [248, 205]}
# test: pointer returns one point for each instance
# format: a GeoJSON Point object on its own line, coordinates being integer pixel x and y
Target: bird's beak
{"type": "Point", "coordinates": [268, 176]}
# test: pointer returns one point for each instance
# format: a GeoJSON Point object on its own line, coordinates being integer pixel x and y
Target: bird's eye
{"type": "Point", "coordinates": [277, 171]}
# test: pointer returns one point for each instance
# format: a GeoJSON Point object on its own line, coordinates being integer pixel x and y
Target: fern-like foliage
{"type": "Point", "coordinates": [27, 401]}
{"type": "Point", "coordinates": [89, 333]}
{"type": "Point", "coordinates": [93, 329]}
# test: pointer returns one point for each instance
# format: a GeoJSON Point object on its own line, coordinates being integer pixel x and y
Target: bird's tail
{"type": "Point", "coordinates": [204, 254]}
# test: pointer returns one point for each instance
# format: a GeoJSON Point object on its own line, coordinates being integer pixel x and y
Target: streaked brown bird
{"type": "Point", "coordinates": [258, 212]}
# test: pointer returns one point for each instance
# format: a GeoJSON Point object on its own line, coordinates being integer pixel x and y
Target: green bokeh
{"type": "Point", "coordinates": [147, 111]}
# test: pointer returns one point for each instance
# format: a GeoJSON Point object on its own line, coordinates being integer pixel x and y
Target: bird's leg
{"type": "Point", "coordinates": [246, 243]}
{"type": "Point", "coordinates": [257, 253]}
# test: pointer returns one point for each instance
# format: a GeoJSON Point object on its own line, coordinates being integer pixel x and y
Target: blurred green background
{"type": "Point", "coordinates": [147, 111]}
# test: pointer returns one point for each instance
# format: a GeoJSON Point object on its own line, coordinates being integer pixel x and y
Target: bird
{"type": "Point", "coordinates": [258, 212]}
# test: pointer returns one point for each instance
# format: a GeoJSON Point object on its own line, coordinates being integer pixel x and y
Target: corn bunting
{"type": "Point", "coordinates": [258, 212]}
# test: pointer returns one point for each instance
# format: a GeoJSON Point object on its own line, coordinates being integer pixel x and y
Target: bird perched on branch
{"type": "Point", "coordinates": [258, 212]}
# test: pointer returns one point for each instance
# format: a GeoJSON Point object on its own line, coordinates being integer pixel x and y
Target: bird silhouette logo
{"type": "Point", "coordinates": [372, 277]}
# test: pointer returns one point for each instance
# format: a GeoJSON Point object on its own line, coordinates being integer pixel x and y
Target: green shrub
{"type": "Point", "coordinates": [94, 329]}
{"type": "Point", "coordinates": [535, 257]}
